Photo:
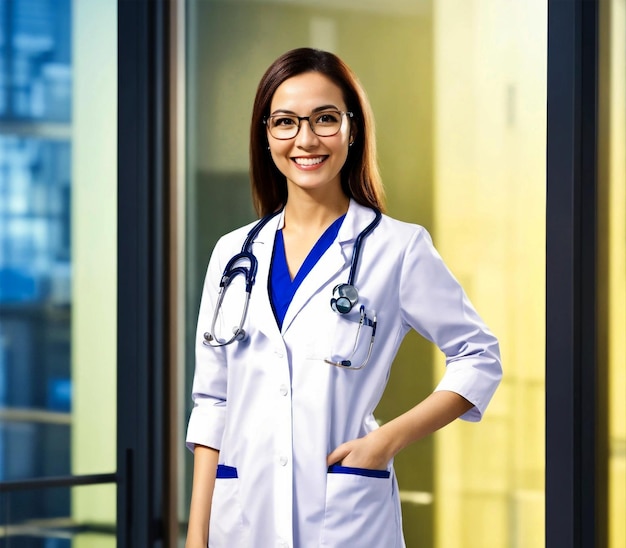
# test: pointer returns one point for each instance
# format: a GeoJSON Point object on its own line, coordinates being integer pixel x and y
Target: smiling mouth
{"type": "Point", "coordinates": [310, 161]}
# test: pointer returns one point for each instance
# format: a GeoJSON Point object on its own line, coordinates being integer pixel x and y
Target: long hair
{"type": "Point", "coordinates": [360, 178]}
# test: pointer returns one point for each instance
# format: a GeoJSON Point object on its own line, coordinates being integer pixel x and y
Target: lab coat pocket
{"type": "Point", "coordinates": [359, 508]}
{"type": "Point", "coordinates": [227, 526]}
{"type": "Point", "coordinates": [352, 339]}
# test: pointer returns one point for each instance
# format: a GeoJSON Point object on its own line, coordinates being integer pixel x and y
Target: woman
{"type": "Point", "coordinates": [286, 449]}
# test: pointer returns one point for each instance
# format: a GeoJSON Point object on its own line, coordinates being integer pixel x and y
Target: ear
{"type": "Point", "coordinates": [353, 133]}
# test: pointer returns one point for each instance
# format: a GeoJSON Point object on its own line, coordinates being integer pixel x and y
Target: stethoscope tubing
{"type": "Point", "coordinates": [356, 254]}
{"type": "Point", "coordinates": [233, 268]}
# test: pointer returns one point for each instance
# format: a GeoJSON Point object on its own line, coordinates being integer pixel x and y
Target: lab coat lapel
{"type": "Point", "coordinates": [263, 247]}
{"type": "Point", "coordinates": [329, 265]}
{"type": "Point", "coordinates": [337, 257]}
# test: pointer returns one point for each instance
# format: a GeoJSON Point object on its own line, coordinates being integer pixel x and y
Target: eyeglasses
{"type": "Point", "coordinates": [323, 124]}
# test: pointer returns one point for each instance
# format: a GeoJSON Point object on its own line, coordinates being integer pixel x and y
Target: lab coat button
{"type": "Point", "coordinates": [282, 544]}
{"type": "Point", "coordinates": [278, 352]}
{"type": "Point", "coordinates": [284, 390]}
{"type": "Point", "coordinates": [283, 460]}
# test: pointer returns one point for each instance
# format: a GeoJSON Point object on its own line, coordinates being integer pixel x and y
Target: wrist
{"type": "Point", "coordinates": [386, 442]}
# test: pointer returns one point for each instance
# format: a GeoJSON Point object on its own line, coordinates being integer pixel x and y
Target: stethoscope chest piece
{"type": "Point", "coordinates": [345, 296]}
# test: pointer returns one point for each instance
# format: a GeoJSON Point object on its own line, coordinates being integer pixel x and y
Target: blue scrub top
{"type": "Point", "coordinates": [282, 287]}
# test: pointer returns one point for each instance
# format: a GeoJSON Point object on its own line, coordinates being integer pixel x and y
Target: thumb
{"type": "Point", "coordinates": [338, 454]}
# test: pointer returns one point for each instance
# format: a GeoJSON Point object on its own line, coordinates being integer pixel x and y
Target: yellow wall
{"type": "Point", "coordinates": [489, 184]}
{"type": "Point", "coordinates": [612, 257]}
{"type": "Point", "coordinates": [94, 257]}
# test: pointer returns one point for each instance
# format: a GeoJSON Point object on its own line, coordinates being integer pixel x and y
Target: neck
{"type": "Point", "coordinates": [312, 213]}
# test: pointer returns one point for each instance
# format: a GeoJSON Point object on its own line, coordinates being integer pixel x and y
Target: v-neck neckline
{"type": "Point", "coordinates": [282, 286]}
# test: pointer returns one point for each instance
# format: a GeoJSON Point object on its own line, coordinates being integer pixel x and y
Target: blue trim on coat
{"type": "Point", "coordinates": [226, 472]}
{"type": "Point", "coordinates": [338, 469]}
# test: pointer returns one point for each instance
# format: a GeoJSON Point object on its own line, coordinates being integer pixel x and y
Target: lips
{"type": "Point", "coordinates": [309, 161]}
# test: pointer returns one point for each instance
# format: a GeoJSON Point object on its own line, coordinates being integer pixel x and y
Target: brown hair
{"type": "Point", "coordinates": [360, 178]}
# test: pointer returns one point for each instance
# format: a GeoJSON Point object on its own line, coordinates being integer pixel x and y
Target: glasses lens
{"type": "Point", "coordinates": [326, 124]}
{"type": "Point", "coordinates": [283, 126]}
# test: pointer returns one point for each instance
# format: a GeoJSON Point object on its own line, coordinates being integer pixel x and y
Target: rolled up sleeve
{"type": "Point", "coordinates": [436, 306]}
{"type": "Point", "coordinates": [208, 415]}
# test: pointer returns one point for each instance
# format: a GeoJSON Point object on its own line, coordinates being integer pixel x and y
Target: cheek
{"type": "Point", "coordinates": [279, 146]}
{"type": "Point", "coordinates": [278, 153]}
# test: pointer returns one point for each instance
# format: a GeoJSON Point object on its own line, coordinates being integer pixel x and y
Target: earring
{"type": "Point", "coordinates": [350, 143]}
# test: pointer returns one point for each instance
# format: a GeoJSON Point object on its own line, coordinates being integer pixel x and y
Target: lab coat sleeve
{"type": "Point", "coordinates": [208, 415]}
{"type": "Point", "coordinates": [436, 306]}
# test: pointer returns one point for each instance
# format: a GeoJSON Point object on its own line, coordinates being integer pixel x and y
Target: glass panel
{"type": "Point", "coordinates": [612, 266]}
{"type": "Point", "coordinates": [34, 519]}
{"type": "Point", "coordinates": [35, 240]}
{"type": "Point", "coordinates": [458, 91]}
{"type": "Point", "coordinates": [58, 247]}
{"type": "Point", "coordinates": [490, 208]}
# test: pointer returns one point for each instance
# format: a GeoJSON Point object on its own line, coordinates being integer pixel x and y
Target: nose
{"type": "Point", "coordinates": [306, 138]}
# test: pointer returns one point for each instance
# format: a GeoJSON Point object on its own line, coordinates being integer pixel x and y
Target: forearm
{"type": "Point", "coordinates": [204, 467]}
{"type": "Point", "coordinates": [375, 450]}
{"type": "Point", "coordinates": [434, 412]}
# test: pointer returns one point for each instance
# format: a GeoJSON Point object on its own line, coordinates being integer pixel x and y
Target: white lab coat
{"type": "Point", "coordinates": [275, 409]}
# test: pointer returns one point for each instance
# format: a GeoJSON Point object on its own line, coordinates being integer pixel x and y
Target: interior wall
{"type": "Point", "coordinates": [611, 269]}
{"type": "Point", "coordinates": [490, 127]}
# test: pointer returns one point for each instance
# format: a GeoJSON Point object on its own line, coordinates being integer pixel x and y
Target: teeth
{"type": "Point", "coordinates": [308, 161]}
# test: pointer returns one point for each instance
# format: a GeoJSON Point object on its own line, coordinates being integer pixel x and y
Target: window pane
{"type": "Point", "coordinates": [35, 244]}
{"type": "Point", "coordinates": [612, 268]}
{"type": "Point", "coordinates": [458, 91]}
{"type": "Point", "coordinates": [490, 216]}
{"type": "Point", "coordinates": [34, 519]}
{"type": "Point", "coordinates": [58, 247]}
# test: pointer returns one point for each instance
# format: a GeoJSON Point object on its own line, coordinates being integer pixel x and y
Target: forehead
{"type": "Point", "coordinates": [305, 92]}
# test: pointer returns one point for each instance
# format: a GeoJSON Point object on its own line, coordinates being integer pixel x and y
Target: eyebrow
{"type": "Point", "coordinates": [317, 109]}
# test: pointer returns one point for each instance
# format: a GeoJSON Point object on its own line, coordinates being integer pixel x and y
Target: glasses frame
{"type": "Point", "coordinates": [342, 113]}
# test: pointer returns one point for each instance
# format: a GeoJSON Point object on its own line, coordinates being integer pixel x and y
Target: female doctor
{"type": "Point", "coordinates": [301, 317]}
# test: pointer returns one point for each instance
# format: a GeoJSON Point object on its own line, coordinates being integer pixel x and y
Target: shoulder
{"type": "Point", "coordinates": [401, 234]}
{"type": "Point", "coordinates": [234, 239]}
{"type": "Point", "coordinates": [388, 229]}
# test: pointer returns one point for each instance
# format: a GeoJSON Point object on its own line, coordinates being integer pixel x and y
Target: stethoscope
{"type": "Point", "coordinates": [345, 296]}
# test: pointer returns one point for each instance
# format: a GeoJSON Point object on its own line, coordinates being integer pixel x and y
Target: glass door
{"type": "Point", "coordinates": [458, 91]}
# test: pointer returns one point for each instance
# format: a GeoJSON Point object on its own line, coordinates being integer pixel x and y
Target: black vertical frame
{"type": "Point", "coordinates": [571, 383]}
{"type": "Point", "coordinates": [143, 228]}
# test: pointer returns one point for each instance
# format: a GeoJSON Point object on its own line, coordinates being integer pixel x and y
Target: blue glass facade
{"type": "Point", "coordinates": [35, 253]}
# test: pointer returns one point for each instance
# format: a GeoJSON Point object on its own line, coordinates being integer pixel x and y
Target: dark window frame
{"type": "Point", "coordinates": [572, 518]}
{"type": "Point", "coordinates": [143, 363]}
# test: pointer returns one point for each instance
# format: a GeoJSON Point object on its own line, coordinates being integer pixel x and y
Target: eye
{"type": "Point", "coordinates": [283, 121]}
{"type": "Point", "coordinates": [328, 118]}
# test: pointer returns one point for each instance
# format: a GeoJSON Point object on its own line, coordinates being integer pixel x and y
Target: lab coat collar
{"type": "Point", "coordinates": [357, 218]}
{"type": "Point", "coordinates": [337, 257]}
